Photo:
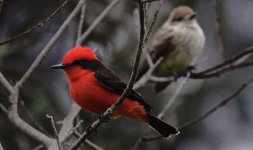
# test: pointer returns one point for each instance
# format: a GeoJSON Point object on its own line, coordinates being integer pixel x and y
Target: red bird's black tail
{"type": "Point", "coordinates": [160, 126]}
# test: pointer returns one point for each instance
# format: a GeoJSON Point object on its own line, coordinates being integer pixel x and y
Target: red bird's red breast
{"type": "Point", "coordinates": [94, 97]}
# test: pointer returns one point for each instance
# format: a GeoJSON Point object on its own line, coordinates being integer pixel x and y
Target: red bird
{"type": "Point", "coordinates": [95, 88]}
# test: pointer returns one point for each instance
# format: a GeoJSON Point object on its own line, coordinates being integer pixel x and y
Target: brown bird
{"type": "Point", "coordinates": [179, 41]}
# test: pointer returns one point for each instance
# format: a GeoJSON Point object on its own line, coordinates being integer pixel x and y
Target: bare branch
{"type": "Point", "coordinates": [3, 108]}
{"type": "Point", "coordinates": [21, 124]}
{"type": "Point", "coordinates": [49, 45]}
{"type": "Point", "coordinates": [92, 145]}
{"type": "Point", "coordinates": [55, 131]}
{"type": "Point", "coordinates": [75, 133]}
{"type": "Point", "coordinates": [232, 63]}
{"type": "Point", "coordinates": [1, 148]}
{"type": "Point", "coordinates": [97, 21]}
{"type": "Point", "coordinates": [33, 28]}
{"type": "Point", "coordinates": [67, 123]}
{"type": "Point", "coordinates": [74, 129]}
{"type": "Point", "coordinates": [173, 98]}
{"type": "Point", "coordinates": [217, 28]}
{"type": "Point", "coordinates": [209, 112]}
{"type": "Point", "coordinates": [153, 21]}
{"type": "Point", "coordinates": [218, 106]}
{"type": "Point", "coordinates": [80, 25]}
{"type": "Point", "coordinates": [30, 116]}
{"type": "Point", "coordinates": [148, 1]}
{"type": "Point", "coordinates": [160, 79]}
{"type": "Point", "coordinates": [5, 83]}
{"type": "Point", "coordinates": [88, 142]}
{"type": "Point", "coordinates": [236, 62]}
{"type": "Point", "coordinates": [146, 77]}
{"type": "Point", "coordinates": [121, 99]}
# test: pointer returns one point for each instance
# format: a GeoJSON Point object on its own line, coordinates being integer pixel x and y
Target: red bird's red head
{"type": "Point", "coordinates": [79, 53]}
{"type": "Point", "coordinates": [74, 55]}
{"type": "Point", "coordinates": [71, 63]}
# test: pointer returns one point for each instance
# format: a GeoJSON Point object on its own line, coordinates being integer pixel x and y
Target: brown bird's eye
{"type": "Point", "coordinates": [178, 19]}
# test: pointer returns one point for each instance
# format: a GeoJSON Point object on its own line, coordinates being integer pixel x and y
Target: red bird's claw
{"type": "Point", "coordinates": [103, 118]}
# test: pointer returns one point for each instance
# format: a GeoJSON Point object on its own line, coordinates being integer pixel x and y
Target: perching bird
{"type": "Point", "coordinates": [179, 41]}
{"type": "Point", "coordinates": [95, 88]}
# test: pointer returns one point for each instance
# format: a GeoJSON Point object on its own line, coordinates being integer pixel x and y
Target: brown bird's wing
{"type": "Point", "coordinates": [111, 81]}
{"type": "Point", "coordinates": [161, 46]}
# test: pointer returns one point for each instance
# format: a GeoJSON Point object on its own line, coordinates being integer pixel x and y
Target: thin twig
{"type": "Point", "coordinates": [92, 145]}
{"type": "Point", "coordinates": [14, 118]}
{"type": "Point", "coordinates": [145, 78]}
{"type": "Point", "coordinates": [161, 79]}
{"type": "Point", "coordinates": [209, 112]}
{"type": "Point", "coordinates": [5, 83]}
{"type": "Point", "coordinates": [3, 108]}
{"type": "Point", "coordinates": [33, 28]}
{"type": "Point", "coordinates": [80, 25]}
{"type": "Point", "coordinates": [218, 106]}
{"type": "Point", "coordinates": [121, 99]}
{"type": "Point", "coordinates": [97, 21]}
{"type": "Point", "coordinates": [217, 73]}
{"type": "Point", "coordinates": [50, 44]}
{"type": "Point", "coordinates": [141, 82]}
{"type": "Point", "coordinates": [1, 148]}
{"type": "Point", "coordinates": [173, 98]}
{"type": "Point", "coordinates": [225, 66]}
{"type": "Point", "coordinates": [88, 142]}
{"type": "Point", "coordinates": [55, 130]}
{"type": "Point", "coordinates": [153, 21]}
{"type": "Point", "coordinates": [75, 128]}
{"type": "Point", "coordinates": [217, 28]}
{"type": "Point", "coordinates": [30, 116]}
{"type": "Point", "coordinates": [67, 123]}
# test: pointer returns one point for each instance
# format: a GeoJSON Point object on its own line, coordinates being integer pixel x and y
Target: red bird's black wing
{"type": "Point", "coordinates": [111, 81]}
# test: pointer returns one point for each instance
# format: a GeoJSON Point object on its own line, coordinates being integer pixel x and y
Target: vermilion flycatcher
{"type": "Point", "coordinates": [178, 41]}
{"type": "Point", "coordinates": [95, 88]}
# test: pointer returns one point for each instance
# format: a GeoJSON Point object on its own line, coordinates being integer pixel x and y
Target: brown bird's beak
{"type": "Point", "coordinates": [59, 66]}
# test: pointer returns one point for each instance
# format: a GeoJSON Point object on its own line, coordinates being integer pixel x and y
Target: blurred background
{"type": "Point", "coordinates": [115, 39]}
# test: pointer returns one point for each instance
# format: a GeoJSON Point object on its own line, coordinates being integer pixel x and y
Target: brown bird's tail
{"type": "Point", "coordinates": [160, 126]}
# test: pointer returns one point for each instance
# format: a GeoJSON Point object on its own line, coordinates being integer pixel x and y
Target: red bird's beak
{"type": "Point", "coordinates": [59, 66]}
